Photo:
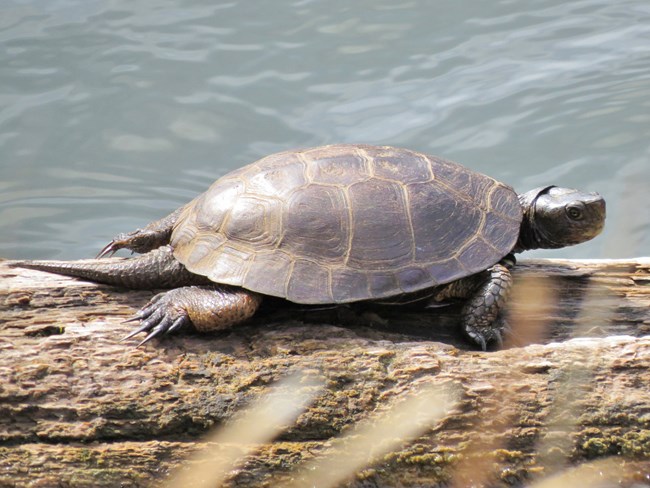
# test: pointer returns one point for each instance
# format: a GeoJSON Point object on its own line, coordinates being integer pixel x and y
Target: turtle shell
{"type": "Point", "coordinates": [344, 223]}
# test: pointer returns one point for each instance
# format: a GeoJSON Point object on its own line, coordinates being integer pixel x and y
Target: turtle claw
{"type": "Point", "coordinates": [108, 250]}
{"type": "Point", "coordinates": [150, 336]}
{"type": "Point", "coordinates": [137, 241]}
{"type": "Point", "coordinates": [177, 324]}
{"type": "Point", "coordinates": [145, 311]}
{"type": "Point", "coordinates": [478, 339]}
{"type": "Point", "coordinates": [158, 317]}
{"type": "Point", "coordinates": [123, 241]}
{"type": "Point", "coordinates": [498, 338]}
{"type": "Point", "coordinates": [482, 336]}
{"type": "Point", "coordinates": [156, 330]}
{"type": "Point", "coordinates": [135, 332]}
{"type": "Point", "coordinates": [166, 326]}
{"type": "Point", "coordinates": [135, 318]}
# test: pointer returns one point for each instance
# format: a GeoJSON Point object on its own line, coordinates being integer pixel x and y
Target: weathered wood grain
{"type": "Point", "coordinates": [80, 408]}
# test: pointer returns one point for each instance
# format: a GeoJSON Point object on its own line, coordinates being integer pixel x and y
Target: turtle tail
{"type": "Point", "coordinates": [155, 269]}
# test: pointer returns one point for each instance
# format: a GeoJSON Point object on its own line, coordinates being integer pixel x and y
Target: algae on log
{"type": "Point", "coordinates": [80, 408]}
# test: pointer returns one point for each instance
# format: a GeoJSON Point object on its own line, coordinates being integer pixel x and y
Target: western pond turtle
{"type": "Point", "coordinates": [338, 224]}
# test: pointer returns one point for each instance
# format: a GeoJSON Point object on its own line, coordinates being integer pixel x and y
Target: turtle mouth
{"type": "Point", "coordinates": [596, 210]}
{"type": "Point", "coordinates": [598, 204]}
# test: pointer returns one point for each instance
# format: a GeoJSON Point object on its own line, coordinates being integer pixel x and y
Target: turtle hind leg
{"type": "Point", "coordinates": [482, 318]}
{"type": "Point", "coordinates": [153, 236]}
{"type": "Point", "coordinates": [203, 308]}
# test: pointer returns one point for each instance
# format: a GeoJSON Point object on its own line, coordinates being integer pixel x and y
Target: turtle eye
{"type": "Point", "coordinates": [574, 212]}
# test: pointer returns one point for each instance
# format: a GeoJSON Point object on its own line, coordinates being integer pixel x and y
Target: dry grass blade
{"type": "Point", "coordinates": [533, 302]}
{"type": "Point", "coordinates": [258, 424]}
{"type": "Point", "coordinates": [476, 466]}
{"type": "Point", "coordinates": [377, 436]}
{"type": "Point", "coordinates": [574, 383]}
{"type": "Point", "coordinates": [598, 474]}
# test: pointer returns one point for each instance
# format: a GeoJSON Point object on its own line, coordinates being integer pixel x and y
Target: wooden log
{"type": "Point", "coordinates": [80, 408]}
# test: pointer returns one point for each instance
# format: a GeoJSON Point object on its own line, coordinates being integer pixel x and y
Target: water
{"type": "Point", "coordinates": [112, 114]}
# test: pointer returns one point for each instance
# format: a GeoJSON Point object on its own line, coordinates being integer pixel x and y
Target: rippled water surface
{"type": "Point", "coordinates": [112, 114]}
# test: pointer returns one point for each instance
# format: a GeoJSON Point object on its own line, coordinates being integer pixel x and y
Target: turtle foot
{"type": "Point", "coordinates": [485, 335]}
{"type": "Point", "coordinates": [151, 237]}
{"type": "Point", "coordinates": [162, 315]}
{"type": "Point", "coordinates": [482, 315]}
{"type": "Point", "coordinates": [140, 241]}
{"type": "Point", "coordinates": [204, 308]}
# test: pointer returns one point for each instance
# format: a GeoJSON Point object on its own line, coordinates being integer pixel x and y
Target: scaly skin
{"type": "Point", "coordinates": [156, 269]}
{"type": "Point", "coordinates": [153, 236]}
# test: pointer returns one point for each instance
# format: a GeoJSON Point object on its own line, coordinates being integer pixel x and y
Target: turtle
{"type": "Point", "coordinates": [338, 224]}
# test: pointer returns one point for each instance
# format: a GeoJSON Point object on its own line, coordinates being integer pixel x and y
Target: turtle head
{"type": "Point", "coordinates": [555, 217]}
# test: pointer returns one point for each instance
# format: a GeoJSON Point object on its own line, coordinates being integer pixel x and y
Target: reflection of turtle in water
{"type": "Point", "coordinates": [340, 224]}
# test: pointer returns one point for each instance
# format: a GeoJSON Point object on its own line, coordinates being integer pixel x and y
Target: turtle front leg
{"type": "Point", "coordinates": [485, 295]}
{"type": "Point", "coordinates": [481, 316]}
{"type": "Point", "coordinates": [151, 237]}
{"type": "Point", "coordinates": [205, 308]}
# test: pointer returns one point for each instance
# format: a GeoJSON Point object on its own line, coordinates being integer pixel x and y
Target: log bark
{"type": "Point", "coordinates": [80, 408]}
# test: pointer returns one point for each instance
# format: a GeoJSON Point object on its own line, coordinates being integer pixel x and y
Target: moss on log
{"type": "Point", "coordinates": [80, 408]}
